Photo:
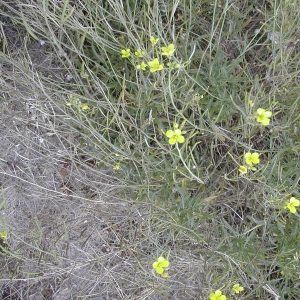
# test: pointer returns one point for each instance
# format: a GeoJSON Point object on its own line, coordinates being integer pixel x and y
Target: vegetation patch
{"type": "Point", "coordinates": [158, 151]}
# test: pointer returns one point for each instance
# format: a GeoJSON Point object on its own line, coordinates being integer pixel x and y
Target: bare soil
{"type": "Point", "coordinates": [59, 210]}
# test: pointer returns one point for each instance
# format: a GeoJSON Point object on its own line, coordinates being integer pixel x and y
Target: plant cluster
{"type": "Point", "coordinates": [194, 132]}
{"type": "Point", "coordinates": [156, 64]}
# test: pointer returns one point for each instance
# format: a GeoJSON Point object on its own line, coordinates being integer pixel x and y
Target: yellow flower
{"type": "Point", "coordinates": [243, 170]}
{"type": "Point", "coordinates": [116, 167]}
{"type": "Point", "coordinates": [251, 103]}
{"type": "Point", "coordinates": [251, 158]}
{"type": "Point", "coordinates": [217, 295]}
{"type": "Point", "coordinates": [3, 235]}
{"type": "Point", "coordinates": [160, 265]}
{"type": "Point", "coordinates": [153, 40]}
{"type": "Point", "coordinates": [236, 289]}
{"type": "Point", "coordinates": [139, 53]}
{"type": "Point", "coordinates": [125, 52]}
{"type": "Point", "coordinates": [173, 65]}
{"type": "Point", "coordinates": [175, 136]}
{"type": "Point", "coordinates": [168, 51]}
{"type": "Point", "coordinates": [83, 106]}
{"type": "Point", "coordinates": [73, 100]}
{"type": "Point", "coordinates": [263, 116]}
{"type": "Point", "coordinates": [141, 66]}
{"type": "Point", "coordinates": [292, 205]}
{"type": "Point", "coordinates": [155, 65]}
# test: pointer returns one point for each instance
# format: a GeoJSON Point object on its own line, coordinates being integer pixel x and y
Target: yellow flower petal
{"type": "Point", "coordinates": [180, 139]}
{"type": "Point", "coordinates": [243, 170]}
{"type": "Point", "coordinates": [177, 131]}
{"type": "Point", "coordinates": [170, 133]}
{"type": "Point", "coordinates": [260, 111]}
{"type": "Point", "coordinates": [255, 158]}
{"type": "Point", "coordinates": [268, 114]}
{"type": "Point", "coordinates": [248, 158]}
{"type": "Point", "coordinates": [153, 40]}
{"type": "Point", "coordinates": [291, 208]}
{"type": "Point", "coordinates": [164, 264]}
{"type": "Point", "coordinates": [159, 270]}
{"type": "Point", "coordinates": [295, 201]}
{"type": "Point", "coordinates": [265, 121]}
{"type": "Point", "coordinates": [172, 141]}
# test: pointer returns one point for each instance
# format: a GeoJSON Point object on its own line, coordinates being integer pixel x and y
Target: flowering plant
{"type": "Point", "coordinates": [160, 266]}
{"type": "Point", "coordinates": [263, 116]}
{"type": "Point", "coordinates": [217, 295]}
{"type": "Point", "coordinates": [251, 158]}
{"type": "Point", "coordinates": [153, 40]}
{"type": "Point", "coordinates": [125, 53]}
{"type": "Point", "coordinates": [139, 53]}
{"type": "Point", "coordinates": [168, 51]}
{"type": "Point", "coordinates": [243, 170]}
{"type": "Point", "coordinates": [292, 204]}
{"type": "Point", "coordinates": [175, 136]}
{"type": "Point", "coordinates": [236, 289]}
{"type": "Point", "coordinates": [141, 66]}
{"type": "Point", "coordinates": [155, 65]}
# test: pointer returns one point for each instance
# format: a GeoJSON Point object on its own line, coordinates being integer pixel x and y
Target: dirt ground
{"type": "Point", "coordinates": [59, 211]}
{"type": "Point", "coordinates": [56, 208]}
